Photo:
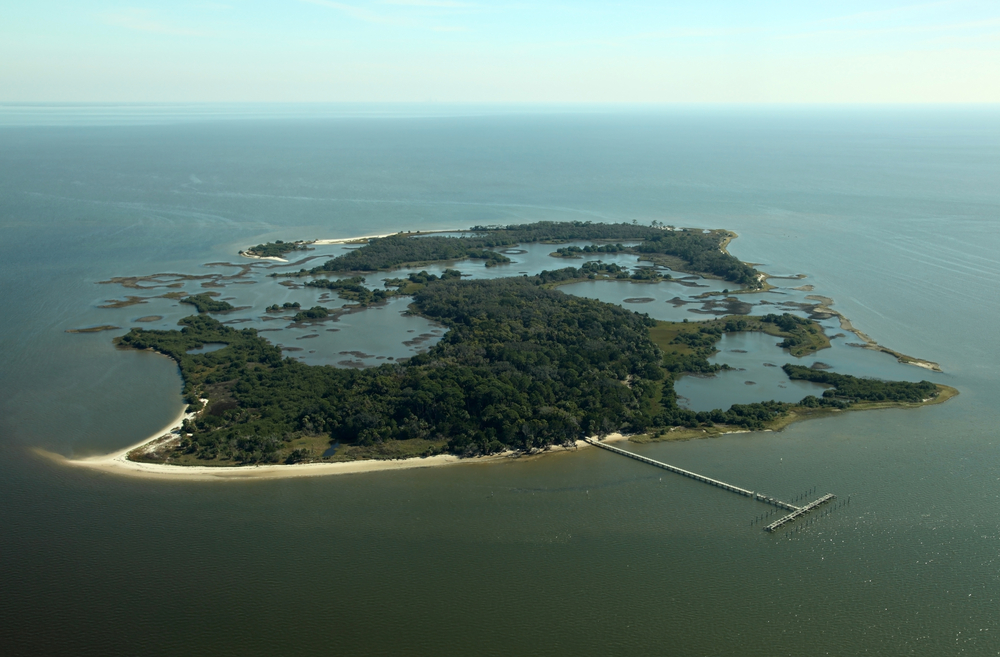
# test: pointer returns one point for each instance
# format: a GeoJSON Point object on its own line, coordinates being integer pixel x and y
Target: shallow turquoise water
{"type": "Point", "coordinates": [893, 213]}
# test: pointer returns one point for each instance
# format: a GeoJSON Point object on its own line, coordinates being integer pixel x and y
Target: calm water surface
{"type": "Point", "coordinates": [893, 213]}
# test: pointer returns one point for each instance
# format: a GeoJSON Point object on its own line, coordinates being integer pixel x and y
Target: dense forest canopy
{"type": "Point", "coordinates": [575, 251]}
{"type": "Point", "coordinates": [701, 251]}
{"type": "Point", "coordinates": [854, 389]}
{"type": "Point", "coordinates": [352, 289]}
{"type": "Point", "coordinates": [396, 250]}
{"type": "Point", "coordinates": [522, 365]}
{"type": "Point", "coordinates": [275, 249]}
{"type": "Point", "coordinates": [562, 231]}
{"type": "Point", "coordinates": [206, 304]}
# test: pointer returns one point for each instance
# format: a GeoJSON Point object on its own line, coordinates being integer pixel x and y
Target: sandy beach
{"type": "Point", "coordinates": [118, 462]}
{"type": "Point", "coordinates": [362, 238]}
{"type": "Point", "coordinates": [255, 257]}
{"type": "Point", "coordinates": [327, 242]}
{"type": "Point", "coordinates": [348, 240]}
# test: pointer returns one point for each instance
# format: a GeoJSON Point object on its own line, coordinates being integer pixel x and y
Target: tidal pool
{"type": "Point", "coordinates": [757, 375]}
{"type": "Point", "coordinates": [757, 358]}
{"type": "Point", "coordinates": [385, 333]}
{"type": "Point", "coordinates": [208, 348]}
{"type": "Point", "coordinates": [366, 338]}
{"type": "Point", "coordinates": [667, 300]}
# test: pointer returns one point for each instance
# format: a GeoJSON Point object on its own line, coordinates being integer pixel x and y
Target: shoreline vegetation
{"type": "Point", "coordinates": [689, 250]}
{"type": "Point", "coordinates": [275, 250]}
{"type": "Point", "coordinates": [121, 463]}
{"type": "Point", "coordinates": [523, 369]}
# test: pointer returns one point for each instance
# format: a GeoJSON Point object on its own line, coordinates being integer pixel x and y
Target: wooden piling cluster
{"type": "Point", "coordinates": [799, 512]}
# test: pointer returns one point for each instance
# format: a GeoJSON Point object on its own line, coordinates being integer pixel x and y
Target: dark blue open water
{"type": "Point", "coordinates": [895, 213]}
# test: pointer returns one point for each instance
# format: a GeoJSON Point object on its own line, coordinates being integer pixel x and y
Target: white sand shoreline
{"type": "Point", "coordinates": [256, 257]}
{"type": "Point", "coordinates": [362, 238]}
{"type": "Point", "coordinates": [348, 240]}
{"type": "Point", "coordinates": [118, 462]}
{"type": "Point", "coordinates": [344, 240]}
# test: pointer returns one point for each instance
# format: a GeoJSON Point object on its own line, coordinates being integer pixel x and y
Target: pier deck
{"type": "Point", "coordinates": [800, 512]}
{"type": "Point", "coordinates": [796, 511]}
{"type": "Point", "coordinates": [686, 473]}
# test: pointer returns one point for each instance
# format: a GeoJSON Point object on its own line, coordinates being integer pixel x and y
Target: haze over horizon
{"type": "Point", "coordinates": [717, 51]}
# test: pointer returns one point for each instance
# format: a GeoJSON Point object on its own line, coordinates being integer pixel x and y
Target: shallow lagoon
{"type": "Point", "coordinates": [757, 358]}
{"type": "Point", "coordinates": [757, 376]}
{"type": "Point", "coordinates": [652, 299]}
{"type": "Point", "coordinates": [376, 335]}
{"type": "Point", "coordinates": [386, 333]}
{"type": "Point", "coordinates": [371, 336]}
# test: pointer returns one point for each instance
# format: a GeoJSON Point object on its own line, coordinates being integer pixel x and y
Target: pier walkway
{"type": "Point", "coordinates": [800, 512]}
{"type": "Point", "coordinates": [681, 471]}
{"type": "Point", "coordinates": [796, 511]}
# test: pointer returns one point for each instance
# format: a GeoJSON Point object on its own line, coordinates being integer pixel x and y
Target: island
{"type": "Point", "coordinates": [522, 367]}
{"type": "Point", "coordinates": [205, 303]}
{"type": "Point", "coordinates": [275, 250]}
{"type": "Point", "coordinates": [689, 250]}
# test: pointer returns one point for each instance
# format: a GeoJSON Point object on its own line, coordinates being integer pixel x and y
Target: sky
{"type": "Point", "coordinates": [496, 51]}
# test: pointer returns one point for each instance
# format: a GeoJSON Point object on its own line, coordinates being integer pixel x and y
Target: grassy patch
{"type": "Point", "coordinates": [664, 334]}
{"type": "Point", "coordinates": [411, 288]}
{"type": "Point", "coordinates": [684, 433]}
{"type": "Point", "coordinates": [674, 263]}
{"type": "Point", "coordinates": [389, 450]}
{"type": "Point", "coordinates": [680, 341]}
{"type": "Point", "coordinates": [315, 445]}
{"type": "Point", "coordinates": [808, 338]}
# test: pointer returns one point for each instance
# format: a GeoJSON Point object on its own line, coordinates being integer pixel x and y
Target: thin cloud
{"type": "Point", "coordinates": [143, 20]}
{"type": "Point", "coordinates": [359, 13]}
{"type": "Point", "coordinates": [447, 4]}
{"type": "Point", "coordinates": [980, 39]}
{"type": "Point", "coordinates": [695, 33]}
{"type": "Point", "coordinates": [885, 13]}
{"type": "Point", "coordinates": [899, 29]}
{"type": "Point", "coordinates": [369, 16]}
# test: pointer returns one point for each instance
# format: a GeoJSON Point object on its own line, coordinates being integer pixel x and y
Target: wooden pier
{"type": "Point", "coordinates": [796, 512]}
{"type": "Point", "coordinates": [687, 473]}
{"type": "Point", "coordinates": [799, 512]}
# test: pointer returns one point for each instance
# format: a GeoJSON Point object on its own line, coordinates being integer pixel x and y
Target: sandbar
{"type": "Point", "coordinates": [365, 238]}
{"type": "Point", "coordinates": [256, 257]}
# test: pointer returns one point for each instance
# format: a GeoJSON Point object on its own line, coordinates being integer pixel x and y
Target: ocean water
{"type": "Point", "coordinates": [894, 213]}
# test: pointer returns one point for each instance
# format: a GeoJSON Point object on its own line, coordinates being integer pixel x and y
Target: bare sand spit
{"type": "Point", "coordinates": [256, 257]}
{"type": "Point", "coordinates": [348, 240]}
{"type": "Point", "coordinates": [365, 238]}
